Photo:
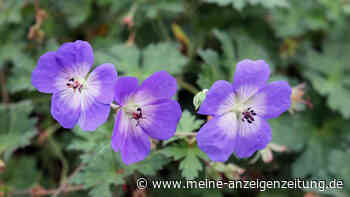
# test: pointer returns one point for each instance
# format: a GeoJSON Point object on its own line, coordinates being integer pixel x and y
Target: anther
{"type": "Point", "coordinates": [248, 115]}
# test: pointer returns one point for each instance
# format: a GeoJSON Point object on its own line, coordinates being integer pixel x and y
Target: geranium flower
{"type": "Point", "coordinates": [240, 112]}
{"type": "Point", "coordinates": [76, 99]}
{"type": "Point", "coordinates": [145, 110]}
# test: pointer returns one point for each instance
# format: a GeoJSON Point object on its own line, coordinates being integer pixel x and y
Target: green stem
{"type": "Point", "coordinates": [187, 86]}
{"type": "Point", "coordinates": [185, 134]}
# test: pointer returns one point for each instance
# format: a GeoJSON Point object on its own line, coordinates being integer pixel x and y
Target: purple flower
{"type": "Point", "coordinates": [145, 110]}
{"type": "Point", "coordinates": [76, 99]}
{"type": "Point", "coordinates": [240, 112]}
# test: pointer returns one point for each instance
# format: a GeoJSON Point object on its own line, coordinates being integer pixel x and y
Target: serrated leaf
{"type": "Point", "coordinates": [17, 128]}
{"type": "Point", "coordinates": [299, 18]}
{"type": "Point", "coordinates": [125, 58]}
{"type": "Point", "coordinates": [190, 156]}
{"type": "Point", "coordinates": [101, 190]}
{"type": "Point", "coordinates": [329, 81]}
{"type": "Point", "coordinates": [101, 168]}
{"type": "Point", "coordinates": [90, 142]}
{"type": "Point", "coordinates": [149, 166]}
{"type": "Point", "coordinates": [163, 56]}
{"type": "Point", "coordinates": [155, 57]}
{"type": "Point", "coordinates": [187, 123]}
{"type": "Point", "coordinates": [104, 169]}
{"type": "Point", "coordinates": [291, 131]}
{"type": "Point", "coordinates": [314, 162]}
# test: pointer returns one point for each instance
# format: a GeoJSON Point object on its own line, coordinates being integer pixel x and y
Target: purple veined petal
{"type": "Point", "coordinates": [76, 57]}
{"type": "Point", "coordinates": [220, 99]}
{"type": "Point", "coordinates": [272, 100]}
{"type": "Point", "coordinates": [102, 80]}
{"type": "Point", "coordinates": [249, 77]}
{"type": "Point", "coordinates": [93, 113]}
{"type": "Point", "coordinates": [252, 137]}
{"type": "Point", "coordinates": [65, 107]}
{"type": "Point", "coordinates": [160, 119]}
{"type": "Point", "coordinates": [218, 137]}
{"type": "Point", "coordinates": [124, 88]}
{"type": "Point", "coordinates": [134, 145]}
{"type": "Point", "coordinates": [158, 85]}
{"type": "Point", "coordinates": [44, 76]}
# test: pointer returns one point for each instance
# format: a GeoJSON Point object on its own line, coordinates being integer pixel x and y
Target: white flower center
{"type": "Point", "coordinates": [244, 111]}
{"type": "Point", "coordinates": [77, 84]}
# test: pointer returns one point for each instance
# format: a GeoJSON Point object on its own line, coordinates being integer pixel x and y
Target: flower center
{"type": "Point", "coordinates": [134, 112]}
{"type": "Point", "coordinates": [248, 115]}
{"type": "Point", "coordinates": [138, 114]}
{"type": "Point", "coordinates": [244, 111]}
{"type": "Point", "coordinates": [76, 84]}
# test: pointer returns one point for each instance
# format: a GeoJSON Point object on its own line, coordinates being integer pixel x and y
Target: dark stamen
{"type": "Point", "coordinates": [137, 116]}
{"type": "Point", "coordinates": [248, 115]}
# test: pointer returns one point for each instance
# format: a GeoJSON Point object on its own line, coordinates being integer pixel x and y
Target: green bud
{"type": "Point", "coordinates": [199, 98]}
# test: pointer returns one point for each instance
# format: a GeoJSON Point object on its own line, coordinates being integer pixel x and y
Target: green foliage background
{"type": "Point", "coordinates": [199, 42]}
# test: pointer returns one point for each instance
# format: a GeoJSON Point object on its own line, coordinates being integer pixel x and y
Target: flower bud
{"type": "Point", "coordinates": [199, 98]}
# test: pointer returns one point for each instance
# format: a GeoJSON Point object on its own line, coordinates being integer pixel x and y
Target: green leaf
{"type": "Point", "coordinates": [76, 11]}
{"type": "Point", "coordinates": [227, 47]}
{"type": "Point", "coordinates": [17, 128]}
{"type": "Point", "coordinates": [100, 172]}
{"type": "Point", "coordinates": [125, 58]}
{"type": "Point", "coordinates": [190, 165]}
{"type": "Point", "coordinates": [240, 4]}
{"type": "Point", "coordinates": [149, 166]}
{"type": "Point", "coordinates": [328, 71]}
{"type": "Point", "coordinates": [291, 131]}
{"type": "Point", "coordinates": [10, 11]}
{"type": "Point", "coordinates": [101, 190]}
{"type": "Point", "coordinates": [299, 18]}
{"type": "Point", "coordinates": [208, 75]}
{"type": "Point", "coordinates": [163, 56]}
{"type": "Point", "coordinates": [311, 161]}
{"type": "Point", "coordinates": [105, 169]}
{"type": "Point", "coordinates": [235, 49]}
{"type": "Point", "coordinates": [21, 173]}
{"type": "Point", "coordinates": [141, 64]}
{"type": "Point", "coordinates": [91, 142]}
{"type": "Point", "coordinates": [188, 123]}
{"type": "Point", "coordinates": [338, 165]}
{"type": "Point", "coordinates": [249, 49]}
{"type": "Point", "coordinates": [314, 161]}
{"type": "Point", "coordinates": [23, 65]}
{"type": "Point", "coordinates": [209, 56]}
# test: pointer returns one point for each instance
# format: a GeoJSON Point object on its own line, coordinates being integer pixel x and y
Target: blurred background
{"type": "Point", "coordinates": [305, 42]}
